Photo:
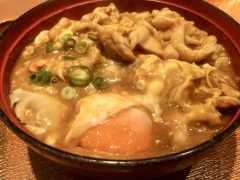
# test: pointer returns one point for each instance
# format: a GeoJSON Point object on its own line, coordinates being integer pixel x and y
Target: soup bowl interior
{"type": "Point", "coordinates": [23, 31]}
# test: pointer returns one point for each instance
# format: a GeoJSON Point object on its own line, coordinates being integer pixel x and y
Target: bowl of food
{"type": "Point", "coordinates": [121, 89]}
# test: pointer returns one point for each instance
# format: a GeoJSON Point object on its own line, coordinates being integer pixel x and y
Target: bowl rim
{"type": "Point", "coordinates": [120, 162]}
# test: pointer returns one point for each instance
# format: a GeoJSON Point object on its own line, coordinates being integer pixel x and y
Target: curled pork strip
{"type": "Point", "coordinates": [100, 15]}
{"type": "Point", "coordinates": [165, 19]}
{"type": "Point", "coordinates": [226, 102]}
{"type": "Point", "coordinates": [111, 10]}
{"type": "Point", "coordinates": [145, 36]}
{"type": "Point", "coordinates": [185, 52]}
{"type": "Point", "coordinates": [42, 38]}
{"type": "Point", "coordinates": [114, 42]}
{"type": "Point", "coordinates": [96, 17]}
{"type": "Point", "coordinates": [230, 91]}
{"type": "Point", "coordinates": [56, 30]}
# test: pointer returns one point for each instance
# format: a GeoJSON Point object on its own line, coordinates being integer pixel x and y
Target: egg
{"type": "Point", "coordinates": [95, 109]}
{"type": "Point", "coordinates": [128, 131]}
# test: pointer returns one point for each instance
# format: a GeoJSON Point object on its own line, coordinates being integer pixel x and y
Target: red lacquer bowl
{"type": "Point", "coordinates": [22, 31]}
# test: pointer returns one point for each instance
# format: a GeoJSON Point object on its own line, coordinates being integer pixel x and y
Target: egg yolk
{"type": "Point", "coordinates": [128, 131]}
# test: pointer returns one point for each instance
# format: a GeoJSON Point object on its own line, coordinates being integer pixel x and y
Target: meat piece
{"type": "Point", "coordinates": [114, 43]}
{"type": "Point", "coordinates": [110, 10]}
{"type": "Point", "coordinates": [100, 15]}
{"type": "Point", "coordinates": [226, 102]}
{"type": "Point", "coordinates": [188, 54]}
{"type": "Point", "coordinates": [42, 38]}
{"type": "Point", "coordinates": [145, 36]}
{"type": "Point", "coordinates": [203, 113]}
{"type": "Point", "coordinates": [170, 53]}
{"type": "Point", "coordinates": [96, 17]}
{"type": "Point", "coordinates": [215, 77]}
{"type": "Point", "coordinates": [165, 19]}
{"type": "Point", "coordinates": [230, 91]}
{"type": "Point", "coordinates": [193, 36]}
{"type": "Point", "coordinates": [63, 24]}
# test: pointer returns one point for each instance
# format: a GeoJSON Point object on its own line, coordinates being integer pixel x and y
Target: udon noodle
{"type": "Point", "coordinates": [124, 85]}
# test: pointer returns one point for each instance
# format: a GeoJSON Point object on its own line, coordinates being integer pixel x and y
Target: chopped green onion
{"type": "Point", "coordinates": [40, 78]}
{"type": "Point", "coordinates": [60, 41]}
{"type": "Point", "coordinates": [66, 36]}
{"type": "Point", "coordinates": [92, 36]}
{"type": "Point", "coordinates": [81, 47]}
{"type": "Point", "coordinates": [79, 75]}
{"type": "Point", "coordinates": [100, 83]}
{"type": "Point", "coordinates": [46, 77]}
{"type": "Point", "coordinates": [35, 77]}
{"type": "Point", "coordinates": [69, 58]}
{"type": "Point", "coordinates": [68, 92]}
{"type": "Point", "coordinates": [49, 48]}
{"type": "Point", "coordinates": [69, 44]}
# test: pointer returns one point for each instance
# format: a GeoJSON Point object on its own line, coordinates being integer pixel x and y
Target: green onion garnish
{"type": "Point", "coordinates": [100, 83]}
{"type": "Point", "coordinates": [69, 44]}
{"type": "Point", "coordinates": [61, 41]}
{"type": "Point", "coordinates": [66, 36]}
{"type": "Point", "coordinates": [81, 47]}
{"type": "Point", "coordinates": [40, 78]}
{"type": "Point", "coordinates": [79, 75]}
{"type": "Point", "coordinates": [92, 36]}
{"type": "Point", "coordinates": [69, 58]}
{"type": "Point", "coordinates": [68, 92]}
{"type": "Point", "coordinates": [35, 77]}
{"type": "Point", "coordinates": [49, 48]}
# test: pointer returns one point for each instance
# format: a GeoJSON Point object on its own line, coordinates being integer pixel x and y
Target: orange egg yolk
{"type": "Point", "coordinates": [128, 131]}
